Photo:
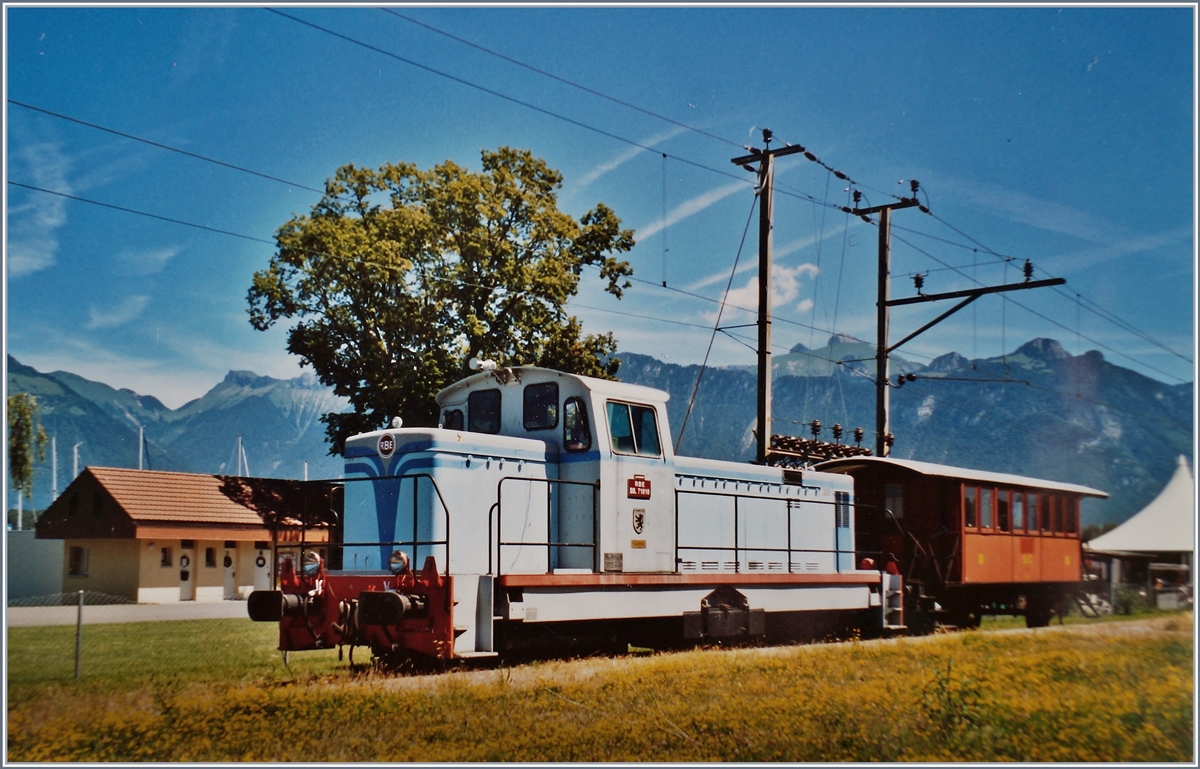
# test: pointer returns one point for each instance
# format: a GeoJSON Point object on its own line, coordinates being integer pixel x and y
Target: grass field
{"type": "Point", "coordinates": [215, 690]}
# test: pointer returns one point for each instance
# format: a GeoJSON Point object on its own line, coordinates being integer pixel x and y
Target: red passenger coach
{"type": "Point", "coordinates": [969, 542]}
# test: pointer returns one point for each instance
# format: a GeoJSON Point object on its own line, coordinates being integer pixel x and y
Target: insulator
{"type": "Point", "coordinates": [767, 135]}
{"type": "Point", "coordinates": [858, 435]}
{"type": "Point", "coordinates": [816, 427]}
{"type": "Point", "coordinates": [888, 439]}
{"type": "Point", "coordinates": [810, 156]}
{"type": "Point", "coordinates": [915, 185]}
{"type": "Point", "coordinates": [900, 380]}
{"type": "Point", "coordinates": [839, 174]}
{"type": "Point", "coordinates": [1028, 270]}
{"type": "Point", "coordinates": [847, 210]}
{"type": "Point", "coordinates": [837, 432]}
{"type": "Point", "coordinates": [911, 377]}
{"type": "Point", "coordinates": [857, 196]}
{"type": "Point", "coordinates": [918, 281]}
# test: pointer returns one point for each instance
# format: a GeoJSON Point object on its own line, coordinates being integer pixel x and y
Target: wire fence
{"type": "Point", "coordinates": [90, 598]}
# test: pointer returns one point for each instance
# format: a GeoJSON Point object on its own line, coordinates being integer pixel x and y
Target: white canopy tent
{"type": "Point", "coordinates": [1155, 544]}
{"type": "Point", "coordinates": [1166, 525]}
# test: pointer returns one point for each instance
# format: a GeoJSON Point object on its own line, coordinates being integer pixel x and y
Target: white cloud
{"type": "Point", "coordinates": [785, 287]}
{"type": "Point", "coordinates": [752, 264]}
{"type": "Point", "coordinates": [1133, 245]}
{"type": "Point", "coordinates": [147, 262]}
{"type": "Point", "coordinates": [125, 310]}
{"type": "Point", "coordinates": [1026, 209]}
{"type": "Point", "coordinates": [690, 208]}
{"type": "Point", "coordinates": [628, 155]}
{"type": "Point", "coordinates": [32, 243]}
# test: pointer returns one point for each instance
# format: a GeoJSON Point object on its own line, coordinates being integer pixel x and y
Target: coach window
{"type": "Point", "coordinates": [1018, 512]}
{"type": "Point", "coordinates": [483, 411]}
{"type": "Point", "coordinates": [634, 429]}
{"type": "Point", "coordinates": [893, 499]}
{"type": "Point", "coordinates": [541, 406]}
{"type": "Point", "coordinates": [453, 420]}
{"type": "Point", "coordinates": [985, 509]}
{"type": "Point", "coordinates": [1059, 513]}
{"type": "Point", "coordinates": [1044, 512]}
{"type": "Point", "coordinates": [576, 434]}
{"type": "Point", "coordinates": [1071, 510]}
{"type": "Point", "coordinates": [970, 497]}
{"type": "Point", "coordinates": [1002, 496]}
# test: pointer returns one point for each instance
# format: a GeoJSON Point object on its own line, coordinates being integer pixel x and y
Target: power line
{"type": "Point", "coordinates": [1040, 315]}
{"type": "Point", "coordinates": [563, 80]}
{"type": "Point", "coordinates": [163, 146]}
{"type": "Point", "coordinates": [497, 94]}
{"type": "Point", "coordinates": [1108, 315]}
{"type": "Point", "coordinates": [142, 213]}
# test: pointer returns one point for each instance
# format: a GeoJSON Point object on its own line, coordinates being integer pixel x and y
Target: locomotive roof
{"type": "Point", "coordinates": [534, 374]}
{"type": "Point", "coordinates": [959, 473]}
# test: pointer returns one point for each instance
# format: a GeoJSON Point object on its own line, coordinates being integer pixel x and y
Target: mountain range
{"type": "Point", "coordinates": [1038, 411]}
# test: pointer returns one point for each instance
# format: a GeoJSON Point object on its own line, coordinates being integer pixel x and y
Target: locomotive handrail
{"type": "Point", "coordinates": [738, 548]}
{"type": "Point", "coordinates": [414, 543]}
{"type": "Point", "coordinates": [497, 508]}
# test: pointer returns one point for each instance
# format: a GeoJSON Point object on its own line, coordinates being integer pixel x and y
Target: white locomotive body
{"type": "Point", "coordinates": [550, 508]}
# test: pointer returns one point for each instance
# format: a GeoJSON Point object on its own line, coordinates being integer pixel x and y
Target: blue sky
{"type": "Point", "coordinates": [1061, 136]}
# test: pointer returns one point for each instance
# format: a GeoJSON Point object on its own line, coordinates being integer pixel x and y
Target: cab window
{"type": "Point", "coordinates": [483, 411]}
{"type": "Point", "coordinates": [453, 420]}
{"type": "Point", "coordinates": [634, 429]}
{"type": "Point", "coordinates": [541, 406]}
{"type": "Point", "coordinates": [577, 436]}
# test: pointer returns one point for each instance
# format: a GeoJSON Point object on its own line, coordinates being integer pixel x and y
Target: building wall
{"type": "Point", "coordinates": [162, 584]}
{"type": "Point", "coordinates": [111, 568]}
{"type": "Point", "coordinates": [34, 565]}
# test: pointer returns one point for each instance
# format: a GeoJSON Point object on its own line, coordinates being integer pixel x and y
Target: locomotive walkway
{"type": "Point", "coordinates": [30, 616]}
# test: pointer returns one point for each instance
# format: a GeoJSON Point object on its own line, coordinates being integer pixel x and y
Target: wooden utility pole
{"type": "Point", "coordinates": [882, 385]}
{"type": "Point", "coordinates": [765, 184]}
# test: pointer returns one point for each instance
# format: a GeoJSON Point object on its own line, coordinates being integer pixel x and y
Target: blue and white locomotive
{"type": "Point", "coordinates": [549, 508]}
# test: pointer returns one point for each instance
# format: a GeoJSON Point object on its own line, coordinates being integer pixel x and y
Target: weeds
{"type": "Point", "coordinates": [1062, 696]}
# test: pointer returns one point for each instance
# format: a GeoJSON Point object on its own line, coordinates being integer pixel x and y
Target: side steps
{"type": "Point", "coordinates": [893, 602]}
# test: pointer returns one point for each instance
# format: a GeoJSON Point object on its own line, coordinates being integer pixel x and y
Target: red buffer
{"type": "Point", "coordinates": [402, 613]}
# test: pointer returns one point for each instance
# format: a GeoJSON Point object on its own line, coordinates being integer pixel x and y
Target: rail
{"type": "Point", "coordinates": [497, 511]}
{"type": "Point", "coordinates": [412, 544]}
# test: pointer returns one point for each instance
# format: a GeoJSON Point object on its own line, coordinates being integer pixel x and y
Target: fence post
{"type": "Point", "coordinates": [78, 635]}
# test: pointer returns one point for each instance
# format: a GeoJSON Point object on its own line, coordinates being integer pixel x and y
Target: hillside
{"type": "Point", "coordinates": [278, 420]}
{"type": "Point", "coordinates": [1038, 411]}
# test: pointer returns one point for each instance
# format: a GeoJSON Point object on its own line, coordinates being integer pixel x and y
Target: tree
{"type": "Point", "coordinates": [26, 441]}
{"type": "Point", "coordinates": [398, 277]}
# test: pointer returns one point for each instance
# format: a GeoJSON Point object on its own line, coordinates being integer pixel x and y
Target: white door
{"type": "Point", "coordinates": [187, 575]}
{"type": "Point", "coordinates": [262, 569]}
{"type": "Point", "coordinates": [230, 564]}
{"type": "Point", "coordinates": [639, 491]}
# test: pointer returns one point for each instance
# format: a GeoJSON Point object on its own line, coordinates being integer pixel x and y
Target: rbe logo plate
{"type": "Point", "coordinates": [387, 444]}
{"type": "Point", "coordinates": [639, 487]}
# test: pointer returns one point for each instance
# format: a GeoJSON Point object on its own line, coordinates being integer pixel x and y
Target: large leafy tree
{"type": "Point", "coordinates": [26, 441]}
{"type": "Point", "coordinates": [399, 276]}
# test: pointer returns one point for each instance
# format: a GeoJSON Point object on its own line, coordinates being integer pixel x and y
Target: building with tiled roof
{"type": "Point", "coordinates": [160, 537]}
